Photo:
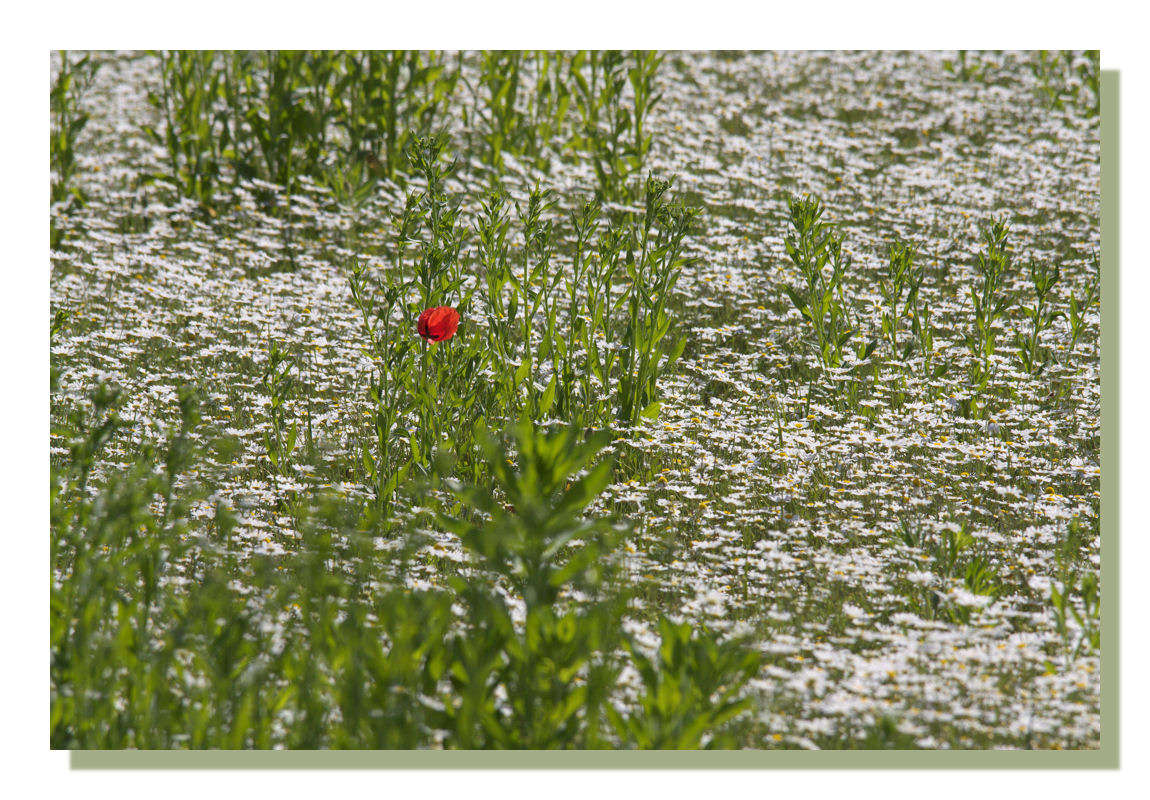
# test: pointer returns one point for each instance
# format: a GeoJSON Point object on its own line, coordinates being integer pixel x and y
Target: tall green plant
{"type": "Point", "coordinates": [595, 329]}
{"type": "Point", "coordinates": [692, 687]}
{"type": "Point", "coordinates": [194, 132]}
{"type": "Point", "coordinates": [522, 531]}
{"type": "Point", "coordinates": [989, 299]}
{"type": "Point", "coordinates": [653, 271]}
{"type": "Point", "coordinates": [521, 106]}
{"type": "Point", "coordinates": [612, 129]}
{"type": "Point", "coordinates": [575, 395]}
{"type": "Point", "coordinates": [426, 394]}
{"type": "Point", "coordinates": [548, 106]}
{"type": "Point", "coordinates": [1078, 308]}
{"type": "Point", "coordinates": [68, 122]}
{"type": "Point", "coordinates": [503, 126]}
{"type": "Point", "coordinates": [107, 587]}
{"type": "Point", "coordinates": [1068, 80]}
{"type": "Point", "coordinates": [535, 283]}
{"type": "Point", "coordinates": [556, 670]}
{"type": "Point", "coordinates": [902, 276]}
{"type": "Point", "coordinates": [382, 96]}
{"type": "Point", "coordinates": [811, 246]}
{"type": "Point", "coordinates": [390, 344]}
{"type": "Point", "coordinates": [327, 647]}
{"type": "Point", "coordinates": [278, 120]}
{"type": "Point", "coordinates": [530, 531]}
{"type": "Point", "coordinates": [278, 383]}
{"type": "Point", "coordinates": [1043, 278]}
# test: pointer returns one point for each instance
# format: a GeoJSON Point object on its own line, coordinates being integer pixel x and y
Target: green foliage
{"type": "Point", "coordinates": [884, 734]}
{"type": "Point", "coordinates": [548, 106]}
{"type": "Point", "coordinates": [88, 431]}
{"type": "Point", "coordinates": [811, 246]}
{"type": "Point", "coordinates": [438, 273]}
{"type": "Point", "coordinates": [533, 296]}
{"type": "Point", "coordinates": [323, 649]}
{"type": "Point", "coordinates": [957, 561]}
{"type": "Point", "coordinates": [1069, 80]}
{"type": "Point", "coordinates": [390, 349]}
{"type": "Point", "coordinates": [178, 622]}
{"type": "Point", "coordinates": [274, 115]}
{"type": "Point", "coordinates": [1043, 277]}
{"type": "Point", "coordinates": [1066, 80]}
{"type": "Point", "coordinates": [902, 275]}
{"type": "Point", "coordinates": [1076, 313]}
{"type": "Point", "coordinates": [523, 531]}
{"type": "Point", "coordinates": [950, 547]}
{"type": "Point", "coordinates": [692, 686]}
{"type": "Point", "coordinates": [278, 383]}
{"type": "Point", "coordinates": [503, 127]}
{"type": "Point", "coordinates": [426, 395]}
{"type": "Point", "coordinates": [67, 123]}
{"type": "Point", "coordinates": [280, 124]}
{"type": "Point", "coordinates": [653, 273]}
{"type": "Point", "coordinates": [575, 393]}
{"type": "Point", "coordinates": [1075, 598]}
{"type": "Point", "coordinates": [555, 670]}
{"type": "Point", "coordinates": [380, 98]}
{"type": "Point", "coordinates": [990, 302]}
{"type": "Point", "coordinates": [60, 321]}
{"type": "Point", "coordinates": [1077, 607]}
{"type": "Point", "coordinates": [283, 114]}
{"type": "Point", "coordinates": [195, 132]}
{"type": "Point", "coordinates": [981, 578]}
{"type": "Point", "coordinates": [611, 129]}
{"type": "Point", "coordinates": [530, 531]}
{"type": "Point", "coordinates": [543, 350]}
{"type": "Point", "coordinates": [110, 555]}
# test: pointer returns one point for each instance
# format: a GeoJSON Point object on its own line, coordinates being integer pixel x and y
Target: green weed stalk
{"type": "Point", "coordinates": [68, 122]}
{"type": "Point", "coordinates": [1043, 278]}
{"type": "Point", "coordinates": [990, 301]}
{"type": "Point", "coordinates": [812, 246]}
{"type": "Point", "coordinates": [654, 271]}
{"type": "Point", "coordinates": [194, 132]}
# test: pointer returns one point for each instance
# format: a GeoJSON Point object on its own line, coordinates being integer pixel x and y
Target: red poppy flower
{"type": "Point", "coordinates": [438, 324]}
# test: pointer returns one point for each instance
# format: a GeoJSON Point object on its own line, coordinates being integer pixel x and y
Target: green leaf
{"type": "Point", "coordinates": [651, 411]}
{"type": "Point", "coordinates": [290, 448]}
{"type": "Point", "coordinates": [416, 452]}
{"type": "Point", "coordinates": [548, 397]}
{"type": "Point", "coordinates": [594, 361]}
{"type": "Point", "coordinates": [799, 302]}
{"type": "Point", "coordinates": [586, 489]}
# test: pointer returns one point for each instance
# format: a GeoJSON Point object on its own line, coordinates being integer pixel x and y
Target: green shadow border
{"type": "Point", "coordinates": [1106, 757]}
